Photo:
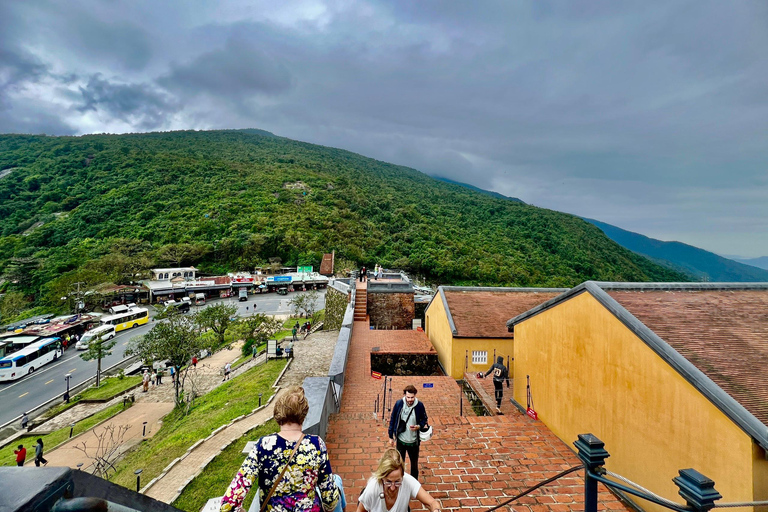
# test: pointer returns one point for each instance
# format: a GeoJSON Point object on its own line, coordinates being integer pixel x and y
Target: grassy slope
{"type": "Point", "coordinates": [228, 401]}
{"type": "Point", "coordinates": [216, 477]}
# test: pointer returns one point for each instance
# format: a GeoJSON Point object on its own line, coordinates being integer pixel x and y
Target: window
{"type": "Point", "coordinates": [21, 361]}
{"type": "Point", "coordinates": [479, 357]}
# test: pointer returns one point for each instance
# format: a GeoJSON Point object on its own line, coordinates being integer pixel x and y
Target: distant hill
{"type": "Point", "coordinates": [761, 262]}
{"type": "Point", "coordinates": [477, 189]}
{"type": "Point", "coordinates": [701, 265]}
{"type": "Point", "coordinates": [100, 208]}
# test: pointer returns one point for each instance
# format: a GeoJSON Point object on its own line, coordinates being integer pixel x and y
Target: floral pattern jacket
{"type": "Point", "coordinates": [310, 470]}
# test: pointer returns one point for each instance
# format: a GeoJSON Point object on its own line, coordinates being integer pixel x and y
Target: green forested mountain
{"type": "Point", "coordinates": [97, 207]}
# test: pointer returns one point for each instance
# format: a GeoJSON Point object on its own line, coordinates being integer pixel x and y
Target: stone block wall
{"type": "Point", "coordinates": [389, 310]}
{"type": "Point", "coordinates": [388, 363]}
{"type": "Point", "coordinates": [335, 306]}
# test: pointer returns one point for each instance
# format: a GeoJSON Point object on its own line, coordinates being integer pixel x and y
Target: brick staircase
{"type": "Point", "coordinates": [361, 305]}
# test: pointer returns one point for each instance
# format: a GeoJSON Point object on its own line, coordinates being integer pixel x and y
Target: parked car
{"type": "Point", "coordinates": [107, 332]}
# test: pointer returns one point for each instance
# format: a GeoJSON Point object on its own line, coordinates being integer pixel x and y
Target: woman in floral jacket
{"type": "Point", "coordinates": [309, 469]}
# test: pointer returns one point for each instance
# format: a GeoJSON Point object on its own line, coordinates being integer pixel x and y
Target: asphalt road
{"type": "Point", "coordinates": [19, 396]}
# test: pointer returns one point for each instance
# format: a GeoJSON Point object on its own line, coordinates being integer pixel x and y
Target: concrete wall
{"type": "Point", "coordinates": [590, 373]}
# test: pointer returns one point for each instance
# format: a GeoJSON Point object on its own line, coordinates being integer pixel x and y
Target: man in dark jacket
{"type": "Point", "coordinates": [500, 374]}
{"type": "Point", "coordinates": [408, 417]}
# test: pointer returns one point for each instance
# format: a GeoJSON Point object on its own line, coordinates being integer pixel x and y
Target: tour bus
{"type": "Point", "coordinates": [106, 332]}
{"type": "Point", "coordinates": [29, 359]}
{"type": "Point", "coordinates": [132, 318]}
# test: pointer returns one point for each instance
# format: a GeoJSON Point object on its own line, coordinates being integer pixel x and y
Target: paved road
{"type": "Point", "coordinates": [30, 391]}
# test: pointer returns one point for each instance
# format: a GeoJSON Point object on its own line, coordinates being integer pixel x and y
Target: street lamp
{"type": "Point", "coordinates": [138, 479]}
{"type": "Point", "coordinates": [66, 394]}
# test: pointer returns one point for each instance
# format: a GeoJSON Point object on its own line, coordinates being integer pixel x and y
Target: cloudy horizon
{"type": "Point", "coordinates": [653, 118]}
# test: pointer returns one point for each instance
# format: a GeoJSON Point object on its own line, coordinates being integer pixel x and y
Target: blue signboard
{"type": "Point", "coordinates": [428, 385]}
{"type": "Point", "coordinates": [282, 279]}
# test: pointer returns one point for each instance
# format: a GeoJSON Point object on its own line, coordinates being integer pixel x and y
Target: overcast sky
{"type": "Point", "coordinates": [652, 117]}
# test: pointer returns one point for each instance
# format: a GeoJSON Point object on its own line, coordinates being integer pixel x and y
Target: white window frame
{"type": "Point", "coordinates": [479, 357]}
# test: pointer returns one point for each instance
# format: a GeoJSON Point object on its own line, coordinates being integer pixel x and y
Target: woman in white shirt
{"type": "Point", "coordinates": [390, 489]}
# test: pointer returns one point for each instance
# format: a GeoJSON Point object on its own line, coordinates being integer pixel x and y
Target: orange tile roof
{"type": "Point", "coordinates": [483, 312]}
{"type": "Point", "coordinates": [724, 333]}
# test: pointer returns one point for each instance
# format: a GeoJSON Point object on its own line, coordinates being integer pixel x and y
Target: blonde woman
{"type": "Point", "coordinates": [390, 489]}
{"type": "Point", "coordinates": [307, 469]}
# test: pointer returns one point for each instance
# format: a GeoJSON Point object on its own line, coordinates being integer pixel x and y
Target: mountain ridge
{"type": "Point", "coordinates": [82, 208]}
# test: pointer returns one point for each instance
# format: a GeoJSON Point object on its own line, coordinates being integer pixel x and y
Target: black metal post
{"type": "Point", "coordinates": [144, 431]}
{"type": "Point", "coordinates": [71, 429]}
{"type": "Point", "coordinates": [384, 402]}
{"type": "Point", "coordinates": [697, 490]}
{"type": "Point", "coordinates": [138, 479]}
{"type": "Point", "coordinates": [66, 395]}
{"type": "Point", "coordinates": [592, 454]}
{"type": "Point", "coordinates": [260, 395]}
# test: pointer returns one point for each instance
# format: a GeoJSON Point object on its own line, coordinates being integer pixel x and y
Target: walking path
{"type": "Point", "coordinates": [470, 461]}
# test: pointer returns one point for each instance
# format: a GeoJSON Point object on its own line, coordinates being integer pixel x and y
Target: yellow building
{"type": "Point", "coordinates": [466, 325]}
{"type": "Point", "coordinates": [669, 376]}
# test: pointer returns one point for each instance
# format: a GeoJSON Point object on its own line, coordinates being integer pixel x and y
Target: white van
{"type": "Point", "coordinates": [120, 308]}
{"type": "Point", "coordinates": [107, 332]}
{"type": "Point", "coordinates": [199, 299]}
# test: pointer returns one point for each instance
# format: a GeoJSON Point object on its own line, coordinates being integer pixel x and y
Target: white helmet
{"type": "Point", "coordinates": [425, 435]}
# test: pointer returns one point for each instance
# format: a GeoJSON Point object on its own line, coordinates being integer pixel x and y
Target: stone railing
{"type": "Point", "coordinates": [324, 393]}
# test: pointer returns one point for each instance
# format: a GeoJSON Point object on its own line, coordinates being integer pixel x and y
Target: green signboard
{"type": "Point", "coordinates": [307, 268]}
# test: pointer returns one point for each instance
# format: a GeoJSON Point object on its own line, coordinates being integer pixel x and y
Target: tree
{"type": "Point", "coordinates": [177, 341]}
{"type": "Point", "coordinates": [305, 303]}
{"type": "Point", "coordinates": [181, 253]}
{"type": "Point", "coordinates": [218, 318]}
{"type": "Point", "coordinates": [256, 330]}
{"type": "Point", "coordinates": [12, 304]}
{"type": "Point", "coordinates": [98, 348]}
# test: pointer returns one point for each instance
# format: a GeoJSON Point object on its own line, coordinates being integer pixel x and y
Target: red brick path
{"type": "Point", "coordinates": [471, 462]}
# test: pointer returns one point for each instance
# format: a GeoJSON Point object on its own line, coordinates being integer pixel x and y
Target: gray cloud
{"type": "Point", "coordinates": [138, 104]}
{"type": "Point", "coordinates": [651, 117]}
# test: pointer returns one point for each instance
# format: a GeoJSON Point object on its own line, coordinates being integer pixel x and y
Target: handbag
{"type": "Point", "coordinates": [279, 478]}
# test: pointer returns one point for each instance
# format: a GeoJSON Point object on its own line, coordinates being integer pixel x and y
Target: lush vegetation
{"type": "Point", "coordinates": [110, 388]}
{"type": "Point", "coordinates": [102, 208]}
{"type": "Point", "coordinates": [218, 474]}
{"type": "Point", "coordinates": [57, 437]}
{"type": "Point", "coordinates": [180, 431]}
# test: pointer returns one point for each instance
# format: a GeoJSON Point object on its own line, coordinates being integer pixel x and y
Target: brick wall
{"type": "Point", "coordinates": [391, 310]}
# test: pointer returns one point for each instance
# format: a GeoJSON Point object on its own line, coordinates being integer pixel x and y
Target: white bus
{"type": "Point", "coordinates": [29, 359]}
{"type": "Point", "coordinates": [132, 318]}
{"type": "Point", "coordinates": [107, 332]}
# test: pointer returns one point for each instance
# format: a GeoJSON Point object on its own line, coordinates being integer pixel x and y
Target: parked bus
{"type": "Point", "coordinates": [133, 318]}
{"type": "Point", "coordinates": [29, 359]}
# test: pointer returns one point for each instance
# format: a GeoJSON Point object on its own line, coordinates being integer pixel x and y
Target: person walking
{"type": "Point", "coordinates": [145, 381]}
{"type": "Point", "coordinates": [293, 333]}
{"type": "Point", "coordinates": [194, 362]}
{"type": "Point", "coordinates": [295, 463]}
{"type": "Point", "coordinates": [227, 369]}
{"type": "Point", "coordinates": [409, 416]}
{"type": "Point", "coordinates": [500, 374]}
{"type": "Point", "coordinates": [39, 453]}
{"type": "Point", "coordinates": [159, 374]}
{"type": "Point", "coordinates": [380, 273]}
{"type": "Point", "coordinates": [390, 490]}
{"type": "Point", "coordinates": [24, 421]}
{"type": "Point", "coordinates": [21, 455]}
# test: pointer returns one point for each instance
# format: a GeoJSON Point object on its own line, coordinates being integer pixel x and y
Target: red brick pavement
{"type": "Point", "coordinates": [471, 462]}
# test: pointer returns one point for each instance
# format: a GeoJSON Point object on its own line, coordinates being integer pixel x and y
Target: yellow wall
{"type": "Point", "coordinates": [590, 374]}
{"type": "Point", "coordinates": [463, 347]}
{"type": "Point", "coordinates": [452, 352]}
{"type": "Point", "coordinates": [439, 332]}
